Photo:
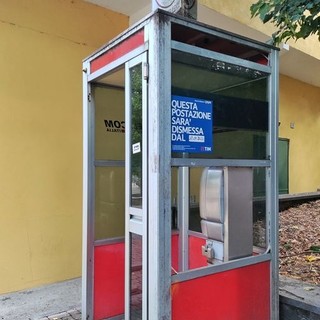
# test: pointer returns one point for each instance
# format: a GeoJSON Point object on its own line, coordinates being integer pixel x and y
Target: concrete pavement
{"type": "Point", "coordinates": [56, 301]}
{"type": "Point", "coordinates": [66, 315]}
{"type": "Point", "coordinates": [62, 301]}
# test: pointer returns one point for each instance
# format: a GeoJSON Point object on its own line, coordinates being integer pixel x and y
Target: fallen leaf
{"type": "Point", "coordinates": [312, 258]}
{"type": "Point", "coordinates": [308, 288]}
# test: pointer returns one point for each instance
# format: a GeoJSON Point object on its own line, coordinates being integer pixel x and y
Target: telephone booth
{"type": "Point", "coordinates": [180, 177]}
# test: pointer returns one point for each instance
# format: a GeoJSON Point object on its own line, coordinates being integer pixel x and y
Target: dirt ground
{"type": "Point", "coordinates": [299, 242]}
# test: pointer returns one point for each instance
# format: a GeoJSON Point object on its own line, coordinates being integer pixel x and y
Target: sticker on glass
{"type": "Point", "coordinates": [191, 125]}
{"type": "Point", "coordinates": [136, 148]}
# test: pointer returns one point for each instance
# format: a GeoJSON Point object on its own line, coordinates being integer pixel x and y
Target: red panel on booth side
{"type": "Point", "coordinates": [238, 294]}
{"type": "Point", "coordinates": [118, 51]}
{"type": "Point", "coordinates": [196, 259]}
{"type": "Point", "coordinates": [108, 280]}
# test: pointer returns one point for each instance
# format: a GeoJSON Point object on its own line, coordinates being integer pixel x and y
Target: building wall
{"type": "Point", "coordinates": [300, 108]}
{"type": "Point", "coordinates": [43, 43]}
{"type": "Point", "coordinates": [240, 11]}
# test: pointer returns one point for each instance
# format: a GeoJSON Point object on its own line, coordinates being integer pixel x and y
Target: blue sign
{"type": "Point", "coordinates": [191, 125]}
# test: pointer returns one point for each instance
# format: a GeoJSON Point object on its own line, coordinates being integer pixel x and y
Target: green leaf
{"type": "Point", "coordinates": [304, 31]}
{"type": "Point", "coordinates": [289, 17]}
{"type": "Point", "coordinates": [264, 9]}
{"type": "Point", "coordinates": [267, 17]}
{"type": "Point", "coordinates": [315, 248]}
{"type": "Point", "coordinates": [255, 8]}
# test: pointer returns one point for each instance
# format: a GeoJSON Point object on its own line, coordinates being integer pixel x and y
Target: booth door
{"type": "Point", "coordinates": [136, 190]}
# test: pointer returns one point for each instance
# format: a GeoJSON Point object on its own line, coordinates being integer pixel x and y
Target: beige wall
{"type": "Point", "coordinates": [42, 46]}
{"type": "Point", "coordinates": [240, 11]}
{"type": "Point", "coordinates": [300, 105]}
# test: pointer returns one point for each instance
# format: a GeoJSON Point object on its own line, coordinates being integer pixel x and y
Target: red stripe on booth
{"type": "Point", "coordinates": [118, 51]}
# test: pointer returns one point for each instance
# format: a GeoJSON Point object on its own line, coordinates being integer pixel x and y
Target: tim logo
{"type": "Point", "coordinates": [115, 125]}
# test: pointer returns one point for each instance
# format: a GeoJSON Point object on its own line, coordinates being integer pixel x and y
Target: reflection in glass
{"type": "Point", "coordinates": [174, 199]}
{"type": "Point", "coordinates": [136, 277]}
{"type": "Point", "coordinates": [240, 103]}
{"type": "Point", "coordinates": [254, 229]}
{"type": "Point", "coordinates": [109, 122]}
{"type": "Point", "coordinates": [136, 135]}
{"type": "Point", "coordinates": [109, 202]}
{"type": "Point", "coordinates": [217, 43]}
{"type": "Point", "coordinates": [194, 212]}
{"type": "Point", "coordinates": [259, 209]}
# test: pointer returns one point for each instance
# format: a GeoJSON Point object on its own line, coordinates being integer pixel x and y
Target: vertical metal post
{"type": "Point", "coordinates": [183, 217]}
{"type": "Point", "coordinates": [88, 201]}
{"type": "Point", "coordinates": [145, 191]}
{"type": "Point", "coordinates": [274, 205]}
{"type": "Point", "coordinates": [159, 175]}
{"type": "Point", "coordinates": [137, 217]}
{"type": "Point", "coordinates": [127, 284]}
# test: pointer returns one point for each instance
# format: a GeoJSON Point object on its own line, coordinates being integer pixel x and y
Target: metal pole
{"type": "Point", "coordinates": [274, 207]}
{"type": "Point", "coordinates": [159, 174]}
{"type": "Point", "coordinates": [183, 217]}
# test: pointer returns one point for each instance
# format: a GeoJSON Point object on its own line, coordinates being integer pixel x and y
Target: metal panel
{"type": "Point", "coordinates": [128, 194]}
{"type": "Point", "coordinates": [159, 168]}
{"type": "Point", "coordinates": [186, 162]}
{"type": "Point", "coordinates": [109, 163]}
{"type": "Point", "coordinates": [136, 212]}
{"type": "Point", "coordinates": [103, 242]}
{"type": "Point", "coordinates": [212, 230]}
{"type": "Point", "coordinates": [135, 226]}
{"type": "Point", "coordinates": [213, 269]}
{"type": "Point", "coordinates": [183, 214]}
{"type": "Point", "coordinates": [238, 213]}
{"type": "Point", "coordinates": [211, 195]}
{"type": "Point", "coordinates": [226, 205]}
{"type": "Point", "coordinates": [274, 193]}
{"type": "Point", "coordinates": [88, 202]}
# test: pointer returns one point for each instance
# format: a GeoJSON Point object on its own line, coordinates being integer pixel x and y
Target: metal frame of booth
{"type": "Point", "coordinates": [191, 292]}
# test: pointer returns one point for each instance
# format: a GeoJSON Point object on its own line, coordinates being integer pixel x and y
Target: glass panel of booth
{"type": "Point", "coordinates": [109, 150]}
{"type": "Point", "coordinates": [248, 223]}
{"type": "Point", "coordinates": [219, 111]}
{"type": "Point", "coordinates": [136, 136]}
{"type": "Point", "coordinates": [108, 147]}
{"type": "Point", "coordinates": [109, 202]}
{"type": "Point", "coordinates": [136, 270]}
{"type": "Point", "coordinates": [239, 98]}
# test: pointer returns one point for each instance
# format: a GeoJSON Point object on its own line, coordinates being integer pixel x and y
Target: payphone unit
{"type": "Point", "coordinates": [226, 211]}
